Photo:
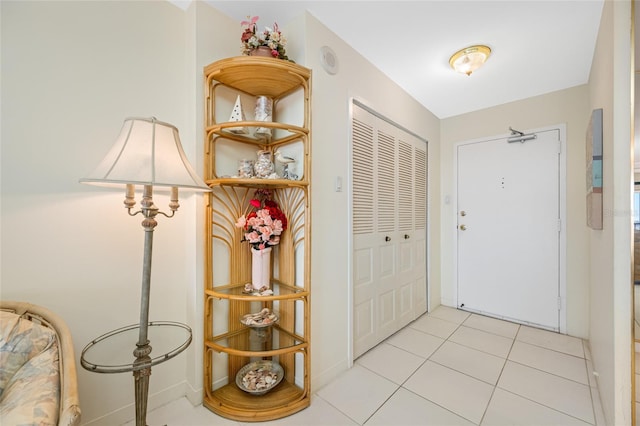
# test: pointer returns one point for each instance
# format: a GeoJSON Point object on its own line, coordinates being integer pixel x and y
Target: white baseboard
{"type": "Point", "coordinates": [194, 396]}
{"type": "Point", "coordinates": [446, 302]}
{"type": "Point", "coordinates": [319, 380]}
{"type": "Point", "coordinates": [128, 413]}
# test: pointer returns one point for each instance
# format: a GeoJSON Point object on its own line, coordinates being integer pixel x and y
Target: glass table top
{"type": "Point", "coordinates": [113, 351]}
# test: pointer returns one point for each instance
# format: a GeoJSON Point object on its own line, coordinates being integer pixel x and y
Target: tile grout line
{"type": "Point", "coordinates": [545, 406]}
{"type": "Point", "coordinates": [339, 410]}
{"type": "Point", "coordinates": [381, 405]}
{"type": "Point", "coordinates": [499, 376]}
{"type": "Point", "coordinates": [514, 339]}
{"type": "Point", "coordinates": [414, 371]}
{"type": "Point", "coordinates": [591, 394]}
{"type": "Point", "coordinates": [444, 408]}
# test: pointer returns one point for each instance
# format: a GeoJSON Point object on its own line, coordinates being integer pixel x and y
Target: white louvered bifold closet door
{"type": "Point", "coordinates": [389, 177]}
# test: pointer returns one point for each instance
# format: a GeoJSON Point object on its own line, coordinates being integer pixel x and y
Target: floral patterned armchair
{"type": "Point", "coordinates": [38, 379]}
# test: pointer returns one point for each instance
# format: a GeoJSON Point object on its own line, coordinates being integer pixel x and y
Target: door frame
{"type": "Point", "coordinates": [350, 292]}
{"type": "Point", "coordinates": [562, 256]}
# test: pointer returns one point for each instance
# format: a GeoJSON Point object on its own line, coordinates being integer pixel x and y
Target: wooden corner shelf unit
{"type": "Point", "coordinates": [229, 345]}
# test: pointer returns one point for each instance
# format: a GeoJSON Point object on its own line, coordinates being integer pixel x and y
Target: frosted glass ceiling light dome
{"type": "Point", "coordinates": [470, 58]}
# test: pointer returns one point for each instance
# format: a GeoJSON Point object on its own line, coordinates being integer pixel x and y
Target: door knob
{"type": "Point", "coordinates": [406, 236]}
{"type": "Point", "coordinates": [463, 227]}
{"type": "Point", "coordinates": [387, 238]}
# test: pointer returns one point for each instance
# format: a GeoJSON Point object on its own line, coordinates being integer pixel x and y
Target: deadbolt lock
{"type": "Point", "coordinates": [463, 227]}
{"type": "Point", "coordinates": [463, 213]}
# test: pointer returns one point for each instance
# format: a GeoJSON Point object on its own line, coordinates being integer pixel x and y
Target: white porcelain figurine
{"type": "Point", "coordinates": [286, 174]}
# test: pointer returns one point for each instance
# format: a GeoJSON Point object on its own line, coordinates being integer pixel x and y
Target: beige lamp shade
{"type": "Point", "coordinates": [147, 152]}
{"type": "Point", "coordinates": [470, 58]}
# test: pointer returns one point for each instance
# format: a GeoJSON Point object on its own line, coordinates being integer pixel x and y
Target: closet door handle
{"type": "Point", "coordinates": [406, 236]}
{"type": "Point", "coordinates": [387, 238]}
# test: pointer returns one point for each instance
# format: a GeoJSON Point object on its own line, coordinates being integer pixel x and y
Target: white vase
{"type": "Point", "coordinates": [260, 268]}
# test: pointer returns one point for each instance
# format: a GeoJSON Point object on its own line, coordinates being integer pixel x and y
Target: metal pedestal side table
{"type": "Point", "coordinates": [108, 354]}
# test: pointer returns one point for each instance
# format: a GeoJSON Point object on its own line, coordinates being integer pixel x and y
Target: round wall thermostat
{"type": "Point", "coordinates": [329, 60]}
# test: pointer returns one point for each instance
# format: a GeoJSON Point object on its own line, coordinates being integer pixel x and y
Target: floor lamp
{"type": "Point", "coordinates": [147, 152]}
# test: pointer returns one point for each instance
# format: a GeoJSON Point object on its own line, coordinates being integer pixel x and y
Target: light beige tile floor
{"type": "Point", "coordinates": [448, 367]}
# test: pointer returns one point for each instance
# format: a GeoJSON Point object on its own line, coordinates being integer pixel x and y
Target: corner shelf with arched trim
{"type": "Point", "coordinates": [229, 345]}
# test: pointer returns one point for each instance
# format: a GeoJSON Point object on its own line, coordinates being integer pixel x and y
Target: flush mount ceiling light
{"type": "Point", "coordinates": [470, 58]}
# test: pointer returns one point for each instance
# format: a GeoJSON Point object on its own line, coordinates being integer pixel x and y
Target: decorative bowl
{"type": "Point", "coordinates": [264, 318]}
{"type": "Point", "coordinates": [259, 377]}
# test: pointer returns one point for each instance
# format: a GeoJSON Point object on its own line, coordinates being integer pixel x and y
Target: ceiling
{"type": "Point", "coordinates": [538, 46]}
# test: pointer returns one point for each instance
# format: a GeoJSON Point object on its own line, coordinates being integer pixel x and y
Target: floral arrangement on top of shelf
{"type": "Point", "coordinates": [270, 40]}
{"type": "Point", "coordinates": [262, 229]}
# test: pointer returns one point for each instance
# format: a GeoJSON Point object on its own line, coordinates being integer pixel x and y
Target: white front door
{"type": "Point", "coordinates": [508, 217]}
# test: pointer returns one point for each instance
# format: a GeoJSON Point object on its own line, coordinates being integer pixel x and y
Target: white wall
{"type": "Point", "coordinates": [71, 72]}
{"type": "Point", "coordinates": [610, 320]}
{"type": "Point", "coordinates": [210, 36]}
{"type": "Point", "coordinates": [570, 106]}
{"type": "Point", "coordinates": [356, 78]}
